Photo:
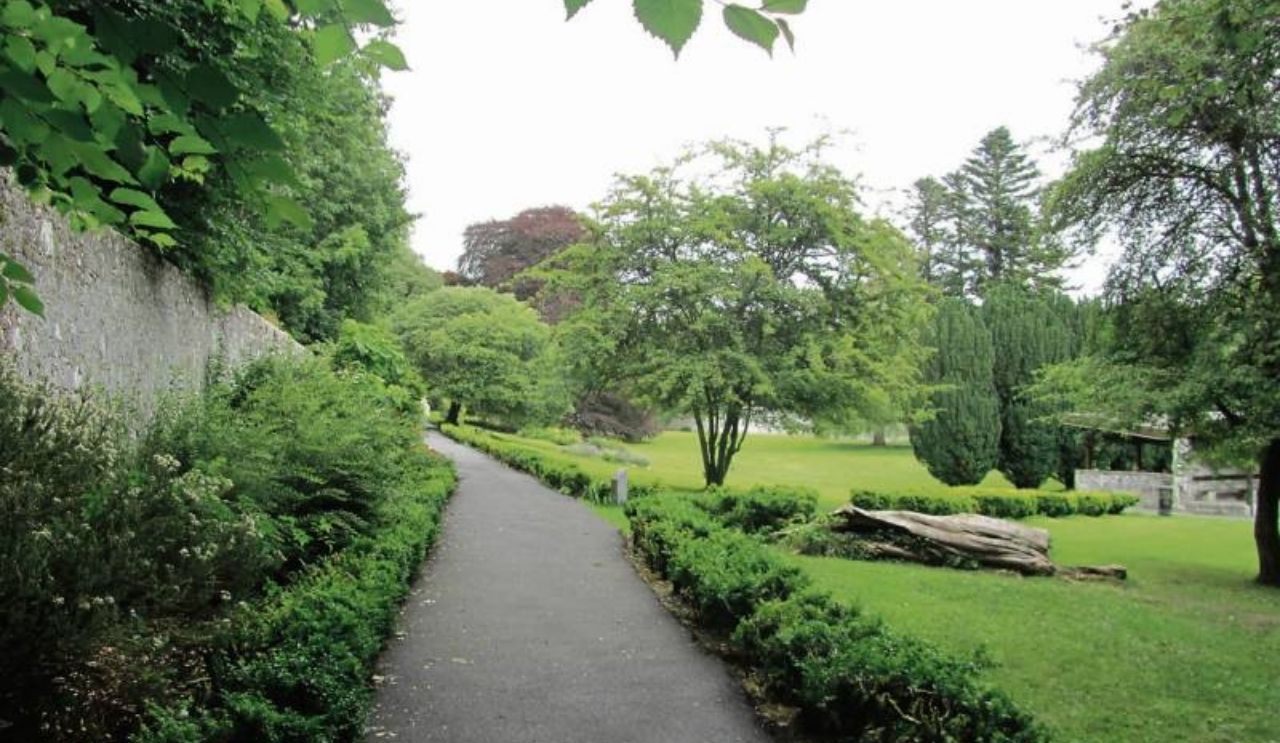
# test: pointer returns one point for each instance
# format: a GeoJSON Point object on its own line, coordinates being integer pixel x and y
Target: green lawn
{"type": "Point", "coordinates": [1188, 649]}
{"type": "Point", "coordinates": [831, 467]}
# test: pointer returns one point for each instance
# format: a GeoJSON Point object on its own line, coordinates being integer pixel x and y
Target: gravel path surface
{"type": "Point", "coordinates": [529, 625]}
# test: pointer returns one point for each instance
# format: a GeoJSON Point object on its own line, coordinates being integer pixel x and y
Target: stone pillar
{"type": "Point", "coordinates": [620, 487]}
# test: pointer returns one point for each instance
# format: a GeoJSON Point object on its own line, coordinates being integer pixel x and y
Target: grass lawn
{"type": "Point", "coordinates": [1188, 649]}
{"type": "Point", "coordinates": [829, 466]}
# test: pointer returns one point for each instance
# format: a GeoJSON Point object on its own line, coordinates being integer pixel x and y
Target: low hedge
{"type": "Point", "coordinates": [566, 477]}
{"type": "Point", "coordinates": [851, 677]}
{"type": "Point", "coordinates": [1010, 504]}
{"type": "Point", "coordinates": [296, 665]}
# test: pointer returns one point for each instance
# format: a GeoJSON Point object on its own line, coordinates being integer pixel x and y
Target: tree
{"type": "Point", "coordinates": [486, 352]}
{"type": "Point", "coordinates": [1187, 115]}
{"type": "Point", "coordinates": [496, 252]}
{"type": "Point", "coordinates": [107, 102]}
{"type": "Point", "coordinates": [981, 225]}
{"type": "Point", "coordinates": [1028, 331]}
{"type": "Point", "coordinates": [758, 290]}
{"type": "Point", "coordinates": [960, 444]}
{"type": "Point", "coordinates": [934, 217]}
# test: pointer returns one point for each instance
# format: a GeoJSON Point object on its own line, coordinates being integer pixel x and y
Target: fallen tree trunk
{"type": "Point", "coordinates": [966, 540]}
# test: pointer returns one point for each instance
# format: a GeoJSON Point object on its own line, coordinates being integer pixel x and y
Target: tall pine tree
{"type": "Point", "coordinates": [981, 225]}
{"type": "Point", "coordinates": [960, 444]}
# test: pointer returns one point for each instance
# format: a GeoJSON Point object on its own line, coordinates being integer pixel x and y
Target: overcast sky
{"type": "Point", "coordinates": [508, 106]}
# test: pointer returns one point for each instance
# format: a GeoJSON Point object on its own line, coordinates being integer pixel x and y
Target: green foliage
{"type": "Point", "coordinates": [674, 21]}
{"type": "Point", "coordinates": [377, 351]}
{"type": "Point", "coordinates": [848, 674]}
{"type": "Point", "coordinates": [758, 290]}
{"type": "Point", "coordinates": [554, 471]}
{"type": "Point", "coordinates": [486, 351]}
{"type": "Point", "coordinates": [960, 443]}
{"type": "Point", "coordinates": [1186, 121]}
{"type": "Point", "coordinates": [244, 490]}
{"type": "Point", "coordinates": [999, 504]}
{"type": "Point", "coordinates": [559, 436]}
{"type": "Point", "coordinates": [110, 104]}
{"type": "Point", "coordinates": [981, 225]}
{"type": "Point", "coordinates": [296, 665]}
{"type": "Point", "coordinates": [763, 509]}
{"type": "Point", "coordinates": [1028, 332]}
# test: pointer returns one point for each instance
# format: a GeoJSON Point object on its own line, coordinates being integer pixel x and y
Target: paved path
{"type": "Point", "coordinates": [530, 626]}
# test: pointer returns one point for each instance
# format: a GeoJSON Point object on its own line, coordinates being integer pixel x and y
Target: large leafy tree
{"type": "Point", "coordinates": [495, 252]}
{"type": "Point", "coordinates": [1186, 113]}
{"type": "Point", "coordinates": [485, 352]}
{"type": "Point", "coordinates": [758, 290]}
{"type": "Point", "coordinates": [960, 443]}
{"type": "Point", "coordinates": [108, 103]}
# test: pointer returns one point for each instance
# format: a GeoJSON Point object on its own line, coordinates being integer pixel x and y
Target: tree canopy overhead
{"type": "Point", "coordinates": [758, 290]}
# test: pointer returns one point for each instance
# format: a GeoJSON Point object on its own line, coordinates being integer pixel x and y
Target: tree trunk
{"type": "Point", "coordinates": [455, 410]}
{"type": "Point", "coordinates": [877, 437]}
{"type": "Point", "coordinates": [720, 437]}
{"type": "Point", "coordinates": [1266, 519]}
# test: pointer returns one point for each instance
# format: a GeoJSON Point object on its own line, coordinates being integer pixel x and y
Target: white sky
{"type": "Point", "coordinates": [509, 107]}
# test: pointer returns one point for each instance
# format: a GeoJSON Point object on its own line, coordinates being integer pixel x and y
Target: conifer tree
{"type": "Point", "coordinates": [960, 444]}
{"type": "Point", "coordinates": [1028, 331]}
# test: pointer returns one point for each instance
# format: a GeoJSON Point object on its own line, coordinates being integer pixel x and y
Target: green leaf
{"type": "Point", "coordinates": [673, 21]}
{"type": "Point", "coordinates": [24, 86]}
{"type": "Point", "coordinates": [386, 54]}
{"type": "Point", "coordinates": [368, 11]}
{"type": "Point", "coordinates": [786, 32]}
{"type": "Point", "coordinates": [21, 52]}
{"type": "Point", "coordinates": [4, 293]}
{"type": "Point", "coordinates": [133, 197]}
{"type": "Point", "coordinates": [752, 26]}
{"type": "Point", "coordinates": [64, 85]}
{"type": "Point", "coordinates": [18, 14]}
{"type": "Point", "coordinates": [333, 42]}
{"type": "Point", "coordinates": [95, 160]}
{"type": "Point", "coordinates": [155, 169]}
{"type": "Point", "coordinates": [191, 144]}
{"type": "Point", "coordinates": [14, 271]}
{"type": "Point", "coordinates": [784, 6]}
{"type": "Point", "coordinates": [27, 298]}
{"type": "Point", "coordinates": [250, 131]}
{"type": "Point", "coordinates": [160, 239]}
{"type": "Point", "coordinates": [208, 85]}
{"type": "Point", "coordinates": [154, 219]}
{"type": "Point", "coordinates": [573, 6]}
{"type": "Point", "coordinates": [272, 169]}
{"type": "Point", "coordinates": [281, 209]}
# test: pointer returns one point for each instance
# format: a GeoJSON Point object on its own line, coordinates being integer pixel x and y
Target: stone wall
{"type": "Point", "coordinates": [1145, 485]}
{"type": "Point", "coordinates": [116, 316]}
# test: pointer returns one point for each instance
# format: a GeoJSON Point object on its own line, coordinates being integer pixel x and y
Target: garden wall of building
{"type": "Point", "coordinates": [116, 316]}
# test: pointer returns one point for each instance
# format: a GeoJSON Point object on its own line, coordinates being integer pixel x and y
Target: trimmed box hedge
{"type": "Point", "coordinates": [1005, 504]}
{"type": "Point", "coordinates": [850, 676]}
{"type": "Point", "coordinates": [566, 477]}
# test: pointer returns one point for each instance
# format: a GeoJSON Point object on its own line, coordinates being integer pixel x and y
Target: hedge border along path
{"type": "Point", "coordinates": [531, 625]}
